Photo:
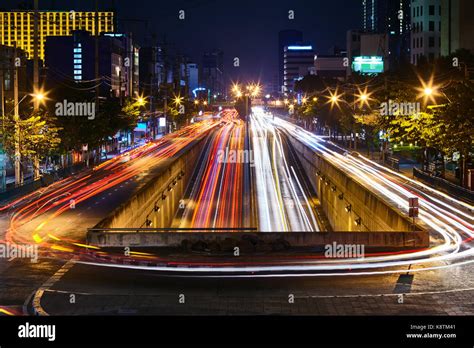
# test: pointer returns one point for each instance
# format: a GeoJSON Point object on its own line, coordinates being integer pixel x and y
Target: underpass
{"type": "Point", "coordinates": [277, 188]}
{"type": "Point", "coordinates": [201, 264]}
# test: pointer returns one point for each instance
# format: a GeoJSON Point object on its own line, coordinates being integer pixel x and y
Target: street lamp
{"type": "Point", "coordinates": [363, 98]}
{"type": "Point", "coordinates": [141, 101]}
{"type": "Point", "coordinates": [428, 91]}
{"type": "Point", "coordinates": [38, 96]}
{"type": "Point", "coordinates": [178, 100]}
{"type": "Point", "coordinates": [334, 98]}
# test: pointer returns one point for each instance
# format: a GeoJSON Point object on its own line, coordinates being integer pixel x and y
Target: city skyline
{"type": "Point", "coordinates": [221, 158]}
{"type": "Point", "coordinates": [254, 42]}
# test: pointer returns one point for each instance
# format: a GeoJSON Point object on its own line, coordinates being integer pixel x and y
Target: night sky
{"type": "Point", "coordinates": [241, 28]}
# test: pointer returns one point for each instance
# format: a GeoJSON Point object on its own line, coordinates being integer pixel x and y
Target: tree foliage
{"type": "Point", "coordinates": [36, 133]}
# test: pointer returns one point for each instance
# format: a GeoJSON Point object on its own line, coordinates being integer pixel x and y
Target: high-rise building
{"type": "Point", "coordinates": [298, 60]}
{"type": "Point", "coordinates": [457, 26]}
{"type": "Point", "coordinates": [193, 77]}
{"type": "Point", "coordinates": [151, 70]}
{"type": "Point", "coordinates": [385, 16]}
{"type": "Point", "coordinates": [18, 26]}
{"type": "Point", "coordinates": [7, 68]}
{"type": "Point", "coordinates": [426, 30]}
{"type": "Point", "coordinates": [286, 38]}
{"type": "Point", "coordinates": [212, 73]}
{"type": "Point", "coordinates": [72, 59]}
{"type": "Point", "coordinates": [369, 15]}
{"type": "Point", "coordinates": [393, 18]}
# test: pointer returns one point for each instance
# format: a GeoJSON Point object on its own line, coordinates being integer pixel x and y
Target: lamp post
{"type": "Point", "coordinates": [38, 97]}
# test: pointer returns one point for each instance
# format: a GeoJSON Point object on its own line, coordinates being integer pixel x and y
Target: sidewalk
{"type": "Point", "coordinates": [45, 180]}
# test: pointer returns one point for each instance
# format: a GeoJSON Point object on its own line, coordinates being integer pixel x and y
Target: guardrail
{"type": "Point", "coordinates": [444, 185]}
{"type": "Point", "coordinates": [393, 163]}
{"type": "Point", "coordinates": [43, 181]}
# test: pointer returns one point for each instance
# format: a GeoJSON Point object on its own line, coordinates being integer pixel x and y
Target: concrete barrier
{"type": "Point", "coordinates": [156, 203]}
{"type": "Point", "coordinates": [349, 205]}
{"type": "Point", "coordinates": [370, 221]}
{"type": "Point", "coordinates": [113, 239]}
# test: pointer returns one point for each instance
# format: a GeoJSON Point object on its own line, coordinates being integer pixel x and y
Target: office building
{"type": "Point", "coordinates": [426, 30]}
{"type": "Point", "coordinates": [7, 60]}
{"type": "Point", "coordinates": [286, 38]}
{"type": "Point", "coordinates": [192, 71]}
{"type": "Point", "coordinates": [212, 73]}
{"type": "Point", "coordinates": [18, 27]}
{"type": "Point", "coordinates": [369, 15]}
{"type": "Point", "coordinates": [367, 53]}
{"type": "Point", "coordinates": [393, 18]}
{"type": "Point", "coordinates": [330, 66]}
{"type": "Point", "coordinates": [457, 26]}
{"type": "Point", "coordinates": [298, 61]}
{"type": "Point", "coordinates": [72, 59]}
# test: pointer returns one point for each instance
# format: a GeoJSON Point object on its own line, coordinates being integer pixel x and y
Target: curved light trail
{"type": "Point", "coordinates": [282, 203]}
{"type": "Point", "coordinates": [218, 201]}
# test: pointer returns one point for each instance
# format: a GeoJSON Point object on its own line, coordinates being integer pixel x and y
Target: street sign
{"type": "Point", "coordinates": [413, 207]}
{"type": "Point", "coordinates": [413, 202]}
{"type": "Point", "coordinates": [413, 212]}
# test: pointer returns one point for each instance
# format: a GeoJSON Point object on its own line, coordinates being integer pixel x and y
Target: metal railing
{"type": "Point", "coordinates": [444, 185]}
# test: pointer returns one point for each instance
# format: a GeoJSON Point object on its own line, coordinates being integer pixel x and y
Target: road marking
{"type": "Point", "coordinates": [4, 311]}
{"type": "Point", "coordinates": [36, 303]}
{"type": "Point", "coordinates": [391, 294]}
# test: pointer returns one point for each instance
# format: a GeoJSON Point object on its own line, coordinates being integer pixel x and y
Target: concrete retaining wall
{"type": "Point", "coordinates": [337, 191]}
{"type": "Point", "coordinates": [159, 199]}
{"type": "Point", "coordinates": [295, 239]}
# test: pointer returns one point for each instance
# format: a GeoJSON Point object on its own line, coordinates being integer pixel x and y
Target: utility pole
{"type": "Point", "coordinates": [2, 145]}
{"type": "Point", "coordinates": [35, 54]}
{"type": "Point", "coordinates": [165, 109]}
{"type": "Point", "coordinates": [16, 118]}
{"type": "Point", "coordinates": [96, 61]}
{"type": "Point", "coordinates": [96, 57]}
{"type": "Point", "coordinates": [120, 86]}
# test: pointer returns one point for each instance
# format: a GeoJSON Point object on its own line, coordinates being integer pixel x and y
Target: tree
{"type": "Point", "coordinates": [37, 137]}
{"type": "Point", "coordinates": [455, 122]}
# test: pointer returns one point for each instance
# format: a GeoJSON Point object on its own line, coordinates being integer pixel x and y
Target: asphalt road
{"type": "Point", "coordinates": [20, 277]}
{"type": "Point", "coordinates": [126, 292]}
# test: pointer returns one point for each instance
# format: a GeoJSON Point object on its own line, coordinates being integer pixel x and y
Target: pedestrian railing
{"type": "Point", "coordinates": [444, 185]}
